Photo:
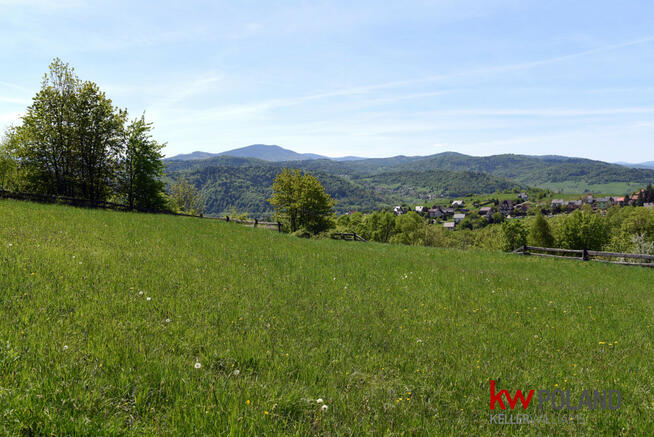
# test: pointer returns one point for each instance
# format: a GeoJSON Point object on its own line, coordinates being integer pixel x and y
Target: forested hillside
{"type": "Point", "coordinates": [228, 182]}
{"type": "Point", "coordinates": [244, 185]}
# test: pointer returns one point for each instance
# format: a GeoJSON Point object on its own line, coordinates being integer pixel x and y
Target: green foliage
{"type": "Point", "coordinates": [73, 142]}
{"type": "Point", "coordinates": [185, 198]}
{"type": "Point", "coordinates": [497, 217]}
{"type": "Point", "coordinates": [640, 222]}
{"type": "Point", "coordinates": [409, 229]}
{"type": "Point", "coordinates": [70, 137]}
{"type": "Point", "coordinates": [584, 230]}
{"type": "Point", "coordinates": [472, 221]}
{"type": "Point", "coordinates": [540, 233]}
{"type": "Point", "coordinates": [140, 169]}
{"type": "Point", "coordinates": [514, 234]}
{"type": "Point", "coordinates": [8, 166]}
{"type": "Point", "coordinates": [301, 202]}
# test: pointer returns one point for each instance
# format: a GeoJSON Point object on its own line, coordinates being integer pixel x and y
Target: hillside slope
{"type": "Point", "coordinates": [246, 184]}
{"type": "Point", "coordinates": [394, 339]}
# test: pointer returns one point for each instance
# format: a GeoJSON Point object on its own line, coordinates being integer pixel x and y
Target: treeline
{"type": "Point", "coordinates": [74, 142]}
{"type": "Point", "coordinates": [622, 229]}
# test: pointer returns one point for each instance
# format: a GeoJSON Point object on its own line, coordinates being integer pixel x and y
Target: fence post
{"type": "Point", "coordinates": [279, 226]}
{"type": "Point", "coordinates": [256, 222]}
{"type": "Point", "coordinates": [584, 255]}
{"type": "Point", "coordinates": [226, 218]}
{"type": "Point", "coordinates": [524, 249]}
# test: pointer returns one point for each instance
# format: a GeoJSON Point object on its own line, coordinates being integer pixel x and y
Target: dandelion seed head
{"type": "Point", "coordinates": [319, 401]}
{"type": "Point", "coordinates": [65, 347]}
{"type": "Point", "coordinates": [168, 320]}
{"type": "Point", "coordinates": [140, 293]}
{"type": "Point", "coordinates": [324, 408]}
{"type": "Point", "coordinates": [236, 372]}
{"type": "Point", "coordinates": [198, 365]}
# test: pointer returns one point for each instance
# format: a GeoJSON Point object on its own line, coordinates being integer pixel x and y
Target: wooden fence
{"type": "Point", "coordinates": [588, 255]}
{"type": "Point", "coordinates": [85, 203]}
{"type": "Point", "coordinates": [348, 236]}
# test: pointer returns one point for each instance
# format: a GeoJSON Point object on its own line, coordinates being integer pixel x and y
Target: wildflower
{"type": "Point", "coordinates": [10, 244]}
{"type": "Point", "coordinates": [80, 262]}
{"type": "Point", "coordinates": [148, 298]}
{"type": "Point", "coordinates": [247, 402]}
{"type": "Point", "coordinates": [197, 365]}
{"type": "Point", "coordinates": [319, 401]}
{"type": "Point", "coordinates": [65, 347]}
{"type": "Point", "coordinates": [140, 293]}
{"type": "Point", "coordinates": [265, 413]}
{"type": "Point", "coordinates": [324, 408]}
{"type": "Point", "coordinates": [236, 372]}
{"type": "Point", "coordinates": [168, 320]}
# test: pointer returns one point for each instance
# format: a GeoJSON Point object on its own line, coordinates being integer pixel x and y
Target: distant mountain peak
{"type": "Point", "coordinates": [265, 152]}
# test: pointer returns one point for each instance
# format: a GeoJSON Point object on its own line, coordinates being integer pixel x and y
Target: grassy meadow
{"type": "Point", "coordinates": [132, 324]}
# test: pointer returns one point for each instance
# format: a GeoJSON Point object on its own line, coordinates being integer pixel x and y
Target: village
{"type": "Point", "coordinates": [458, 213]}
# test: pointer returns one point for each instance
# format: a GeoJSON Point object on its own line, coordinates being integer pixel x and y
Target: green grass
{"type": "Point", "coordinates": [396, 340]}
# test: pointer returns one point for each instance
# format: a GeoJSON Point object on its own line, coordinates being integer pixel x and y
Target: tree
{"type": "Point", "coordinates": [186, 198]}
{"type": "Point", "coordinates": [410, 229]}
{"type": "Point", "coordinates": [140, 169]}
{"type": "Point", "coordinates": [497, 217]}
{"type": "Point", "coordinates": [514, 234]}
{"type": "Point", "coordinates": [540, 232]}
{"type": "Point", "coordinates": [69, 139]}
{"type": "Point", "coordinates": [584, 230]}
{"type": "Point", "coordinates": [301, 201]}
{"type": "Point", "coordinates": [8, 167]}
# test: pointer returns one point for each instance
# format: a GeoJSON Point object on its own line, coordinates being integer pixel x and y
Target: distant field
{"type": "Point", "coordinates": [396, 340]}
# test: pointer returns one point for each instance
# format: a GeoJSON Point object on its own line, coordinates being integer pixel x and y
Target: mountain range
{"type": "Point", "coordinates": [241, 179]}
{"type": "Point", "coordinates": [260, 151]}
{"type": "Point", "coordinates": [648, 164]}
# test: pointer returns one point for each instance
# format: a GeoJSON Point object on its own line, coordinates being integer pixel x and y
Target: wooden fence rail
{"type": "Point", "coordinates": [351, 236]}
{"type": "Point", "coordinates": [587, 255]}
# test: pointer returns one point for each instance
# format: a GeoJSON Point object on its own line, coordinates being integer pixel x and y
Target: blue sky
{"type": "Point", "coordinates": [367, 78]}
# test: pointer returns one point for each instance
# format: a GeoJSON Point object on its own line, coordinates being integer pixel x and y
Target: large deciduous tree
{"type": "Point", "coordinates": [73, 142]}
{"type": "Point", "coordinates": [300, 201]}
{"type": "Point", "coordinates": [140, 168]}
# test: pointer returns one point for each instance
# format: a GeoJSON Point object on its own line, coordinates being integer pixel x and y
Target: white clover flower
{"type": "Point", "coordinates": [80, 262]}
{"type": "Point", "coordinates": [198, 365]}
{"type": "Point", "coordinates": [236, 372]}
{"type": "Point", "coordinates": [324, 408]}
{"type": "Point", "coordinates": [140, 293]}
{"type": "Point", "coordinates": [319, 401]}
{"type": "Point", "coordinates": [11, 244]}
{"type": "Point", "coordinates": [65, 347]}
{"type": "Point", "coordinates": [148, 298]}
